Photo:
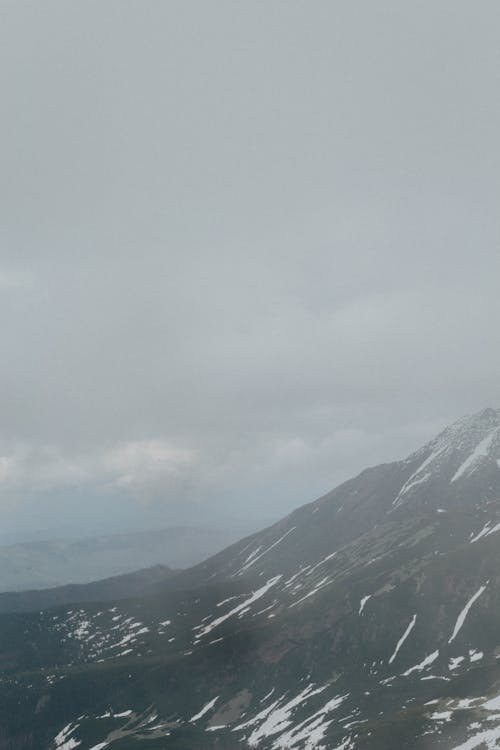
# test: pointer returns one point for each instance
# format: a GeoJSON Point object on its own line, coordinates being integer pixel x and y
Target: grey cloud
{"type": "Point", "coordinates": [265, 234]}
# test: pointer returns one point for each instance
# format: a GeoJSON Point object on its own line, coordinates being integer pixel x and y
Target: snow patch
{"type": "Point", "coordinates": [488, 738]}
{"type": "Point", "coordinates": [205, 709]}
{"type": "Point", "coordinates": [63, 740]}
{"type": "Point", "coordinates": [455, 662]}
{"type": "Point", "coordinates": [324, 560]}
{"type": "Point", "coordinates": [481, 451]}
{"type": "Point", "coordinates": [363, 603]}
{"type": "Point", "coordinates": [320, 585]}
{"type": "Point", "coordinates": [310, 731]}
{"type": "Point", "coordinates": [403, 638]}
{"type": "Point", "coordinates": [442, 715]}
{"type": "Point", "coordinates": [463, 614]}
{"type": "Point", "coordinates": [423, 664]}
{"type": "Point", "coordinates": [258, 557]}
{"type": "Point", "coordinates": [204, 629]}
{"type": "Point", "coordinates": [475, 655]}
{"type": "Point", "coordinates": [415, 479]}
{"type": "Point", "coordinates": [493, 704]}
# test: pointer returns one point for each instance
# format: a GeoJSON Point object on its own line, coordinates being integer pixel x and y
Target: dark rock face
{"type": "Point", "coordinates": [367, 619]}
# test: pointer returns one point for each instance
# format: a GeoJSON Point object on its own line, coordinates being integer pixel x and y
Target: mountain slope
{"type": "Point", "coordinates": [367, 619]}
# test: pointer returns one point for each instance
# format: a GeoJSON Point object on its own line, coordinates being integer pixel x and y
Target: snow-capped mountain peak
{"type": "Point", "coordinates": [468, 447]}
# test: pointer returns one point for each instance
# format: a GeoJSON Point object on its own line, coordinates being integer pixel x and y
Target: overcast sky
{"type": "Point", "coordinates": [246, 249]}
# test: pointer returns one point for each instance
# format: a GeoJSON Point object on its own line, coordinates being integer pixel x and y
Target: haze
{"type": "Point", "coordinates": [247, 249]}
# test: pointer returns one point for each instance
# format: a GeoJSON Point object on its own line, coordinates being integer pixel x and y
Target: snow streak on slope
{"type": "Point", "coordinates": [484, 531]}
{"type": "Point", "coordinates": [417, 477]}
{"type": "Point", "coordinates": [362, 603]}
{"type": "Point", "coordinates": [487, 738]}
{"type": "Point", "coordinates": [463, 614]}
{"type": "Point", "coordinates": [423, 664]}
{"type": "Point", "coordinates": [204, 629]}
{"type": "Point", "coordinates": [481, 450]}
{"type": "Point", "coordinates": [310, 731]}
{"type": "Point", "coordinates": [205, 709]}
{"type": "Point", "coordinates": [487, 530]}
{"type": "Point", "coordinates": [63, 741]}
{"type": "Point", "coordinates": [253, 557]}
{"type": "Point", "coordinates": [322, 562]}
{"type": "Point", "coordinates": [318, 586]}
{"type": "Point", "coordinates": [277, 720]}
{"type": "Point", "coordinates": [403, 638]}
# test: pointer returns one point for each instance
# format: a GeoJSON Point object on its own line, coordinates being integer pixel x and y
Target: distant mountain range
{"type": "Point", "coordinates": [366, 620]}
{"type": "Point", "coordinates": [37, 565]}
{"type": "Point", "coordinates": [140, 582]}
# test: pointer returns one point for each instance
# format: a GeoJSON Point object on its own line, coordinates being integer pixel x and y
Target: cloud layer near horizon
{"type": "Point", "coordinates": [246, 249]}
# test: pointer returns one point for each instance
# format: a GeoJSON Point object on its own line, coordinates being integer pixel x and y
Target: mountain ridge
{"type": "Point", "coordinates": [115, 587]}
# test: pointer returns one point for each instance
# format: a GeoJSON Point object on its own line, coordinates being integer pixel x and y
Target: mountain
{"type": "Point", "coordinates": [108, 589]}
{"type": "Point", "coordinates": [37, 565]}
{"type": "Point", "coordinates": [368, 619]}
